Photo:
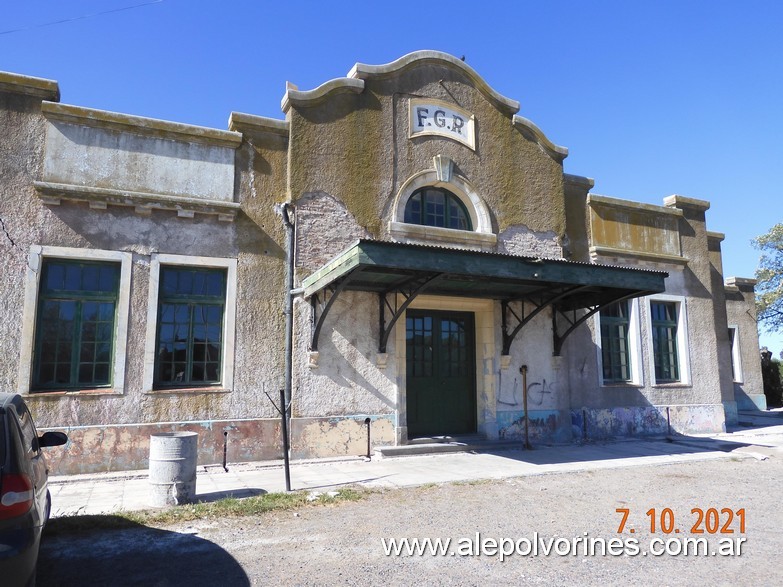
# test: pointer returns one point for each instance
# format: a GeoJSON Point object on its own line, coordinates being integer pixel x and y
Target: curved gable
{"type": "Point", "coordinates": [419, 58]}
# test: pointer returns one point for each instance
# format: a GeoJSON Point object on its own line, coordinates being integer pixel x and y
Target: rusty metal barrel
{"type": "Point", "coordinates": [172, 472]}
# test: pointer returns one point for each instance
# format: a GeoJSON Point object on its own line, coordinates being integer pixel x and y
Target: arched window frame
{"type": "Point", "coordinates": [448, 198]}
{"type": "Point", "coordinates": [480, 236]}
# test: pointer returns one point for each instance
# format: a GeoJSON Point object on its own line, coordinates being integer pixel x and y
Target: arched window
{"type": "Point", "coordinates": [433, 206]}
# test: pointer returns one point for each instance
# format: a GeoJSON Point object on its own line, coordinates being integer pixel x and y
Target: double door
{"type": "Point", "coordinates": [440, 372]}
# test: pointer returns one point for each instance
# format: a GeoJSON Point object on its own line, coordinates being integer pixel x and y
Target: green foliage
{"type": "Point", "coordinates": [769, 289]}
{"type": "Point", "coordinates": [771, 370]}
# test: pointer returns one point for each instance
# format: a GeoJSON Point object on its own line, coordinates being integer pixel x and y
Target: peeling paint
{"type": "Point", "coordinates": [94, 449]}
{"type": "Point", "coordinates": [325, 437]}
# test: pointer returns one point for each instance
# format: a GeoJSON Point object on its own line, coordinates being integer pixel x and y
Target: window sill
{"type": "Point", "coordinates": [672, 385]}
{"type": "Point", "coordinates": [402, 230]}
{"type": "Point", "coordinates": [53, 393]}
{"type": "Point", "coordinates": [186, 391]}
{"type": "Point", "coordinates": [621, 384]}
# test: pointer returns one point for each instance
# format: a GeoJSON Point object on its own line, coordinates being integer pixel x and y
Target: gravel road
{"type": "Point", "coordinates": [342, 544]}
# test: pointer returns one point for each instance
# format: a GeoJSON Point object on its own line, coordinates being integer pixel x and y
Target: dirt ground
{"type": "Point", "coordinates": [342, 544]}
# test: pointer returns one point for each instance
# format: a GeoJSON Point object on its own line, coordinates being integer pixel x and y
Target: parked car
{"type": "Point", "coordinates": [25, 502]}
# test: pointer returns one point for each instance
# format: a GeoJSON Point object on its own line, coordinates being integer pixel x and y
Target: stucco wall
{"type": "Point", "coordinates": [741, 312]}
{"type": "Point", "coordinates": [342, 159]}
{"type": "Point", "coordinates": [256, 239]}
{"type": "Point", "coordinates": [104, 158]}
{"type": "Point", "coordinates": [355, 148]}
{"type": "Point", "coordinates": [23, 217]}
{"type": "Point", "coordinates": [335, 389]}
{"type": "Point", "coordinates": [692, 282]}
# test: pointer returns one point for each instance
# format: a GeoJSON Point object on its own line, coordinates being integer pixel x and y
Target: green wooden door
{"type": "Point", "coordinates": [441, 373]}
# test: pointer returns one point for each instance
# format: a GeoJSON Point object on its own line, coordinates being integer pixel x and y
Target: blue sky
{"type": "Point", "coordinates": [651, 98]}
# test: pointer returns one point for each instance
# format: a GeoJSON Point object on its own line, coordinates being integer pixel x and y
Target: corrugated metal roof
{"type": "Point", "coordinates": [507, 255]}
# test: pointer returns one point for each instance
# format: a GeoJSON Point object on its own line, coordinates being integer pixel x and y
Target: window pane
{"type": "Point", "coordinates": [185, 284]}
{"type": "Point", "coordinates": [55, 278]}
{"type": "Point", "coordinates": [434, 208]}
{"type": "Point", "coordinates": [437, 207]}
{"type": "Point", "coordinates": [77, 302]}
{"type": "Point", "coordinates": [458, 218]}
{"type": "Point", "coordinates": [101, 373]}
{"type": "Point", "coordinates": [615, 343]}
{"type": "Point", "coordinates": [413, 209]}
{"type": "Point", "coordinates": [168, 281]}
{"type": "Point", "coordinates": [189, 329]}
{"type": "Point", "coordinates": [73, 277]}
{"type": "Point", "coordinates": [664, 331]}
{"type": "Point", "coordinates": [109, 276]}
{"type": "Point", "coordinates": [90, 278]}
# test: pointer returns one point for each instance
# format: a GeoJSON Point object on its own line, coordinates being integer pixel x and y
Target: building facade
{"type": "Point", "coordinates": [401, 249]}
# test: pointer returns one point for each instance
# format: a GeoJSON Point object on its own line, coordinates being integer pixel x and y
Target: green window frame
{"type": "Point", "coordinates": [189, 337]}
{"type": "Point", "coordinates": [664, 324]}
{"type": "Point", "coordinates": [615, 342]}
{"type": "Point", "coordinates": [75, 325]}
{"type": "Point", "coordinates": [432, 206]}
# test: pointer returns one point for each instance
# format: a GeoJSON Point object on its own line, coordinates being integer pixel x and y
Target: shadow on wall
{"type": "Point", "coordinates": [120, 228]}
{"type": "Point", "coordinates": [133, 554]}
{"type": "Point", "coordinates": [640, 419]}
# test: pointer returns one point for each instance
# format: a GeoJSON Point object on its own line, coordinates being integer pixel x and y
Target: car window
{"type": "Point", "coordinates": [28, 431]}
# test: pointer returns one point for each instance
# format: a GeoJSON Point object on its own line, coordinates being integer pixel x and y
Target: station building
{"type": "Point", "coordinates": [401, 252]}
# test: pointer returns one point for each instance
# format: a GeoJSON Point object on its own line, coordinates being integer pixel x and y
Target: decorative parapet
{"type": "Point", "coordinates": [111, 159]}
{"type": "Point", "coordinates": [244, 123]}
{"type": "Point", "coordinates": [579, 180]}
{"type": "Point", "coordinates": [645, 232]}
{"type": "Point", "coordinates": [37, 87]}
{"type": "Point", "coordinates": [417, 58]}
{"type": "Point", "coordinates": [295, 97]}
{"type": "Point", "coordinates": [737, 284]}
{"type": "Point", "coordinates": [527, 127]}
{"type": "Point", "coordinates": [139, 125]}
{"type": "Point", "coordinates": [681, 202]}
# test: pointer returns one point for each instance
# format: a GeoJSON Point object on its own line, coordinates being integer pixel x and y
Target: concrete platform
{"type": "Point", "coordinates": [127, 491]}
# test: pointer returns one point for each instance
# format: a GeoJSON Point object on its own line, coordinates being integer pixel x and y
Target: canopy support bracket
{"type": "Point", "coordinates": [396, 312]}
{"type": "Point", "coordinates": [539, 305]}
{"type": "Point", "coordinates": [574, 321]}
{"type": "Point", "coordinates": [317, 321]}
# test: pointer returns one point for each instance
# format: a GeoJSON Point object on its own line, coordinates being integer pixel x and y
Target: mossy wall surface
{"type": "Point", "coordinates": [356, 148]}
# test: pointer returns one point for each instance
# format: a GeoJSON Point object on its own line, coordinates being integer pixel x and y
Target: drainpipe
{"type": "Point", "coordinates": [523, 370]}
{"type": "Point", "coordinates": [287, 211]}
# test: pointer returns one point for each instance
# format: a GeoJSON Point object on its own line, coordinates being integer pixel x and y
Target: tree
{"type": "Point", "coordinates": [770, 372]}
{"type": "Point", "coordinates": [769, 289]}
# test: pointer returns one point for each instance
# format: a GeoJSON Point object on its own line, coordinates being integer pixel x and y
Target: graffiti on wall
{"type": "Point", "coordinates": [537, 392]}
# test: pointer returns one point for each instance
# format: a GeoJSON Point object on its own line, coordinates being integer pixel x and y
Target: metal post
{"type": "Point", "coordinates": [584, 424]}
{"type": "Point", "coordinates": [367, 422]}
{"type": "Point", "coordinates": [523, 370]}
{"type": "Point", "coordinates": [284, 416]}
{"type": "Point", "coordinates": [225, 450]}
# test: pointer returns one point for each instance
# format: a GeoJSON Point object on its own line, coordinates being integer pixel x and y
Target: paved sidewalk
{"type": "Point", "coordinates": [112, 492]}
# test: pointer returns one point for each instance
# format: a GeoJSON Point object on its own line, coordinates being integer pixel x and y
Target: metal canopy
{"type": "Point", "coordinates": [517, 282]}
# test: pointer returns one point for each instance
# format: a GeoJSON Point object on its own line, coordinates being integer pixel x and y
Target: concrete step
{"type": "Point", "coordinates": [441, 445]}
{"type": "Point", "coordinates": [460, 438]}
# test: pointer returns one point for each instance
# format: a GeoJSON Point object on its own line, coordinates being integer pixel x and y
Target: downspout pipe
{"type": "Point", "coordinates": [289, 218]}
{"type": "Point", "coordinates": [287, 211]}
